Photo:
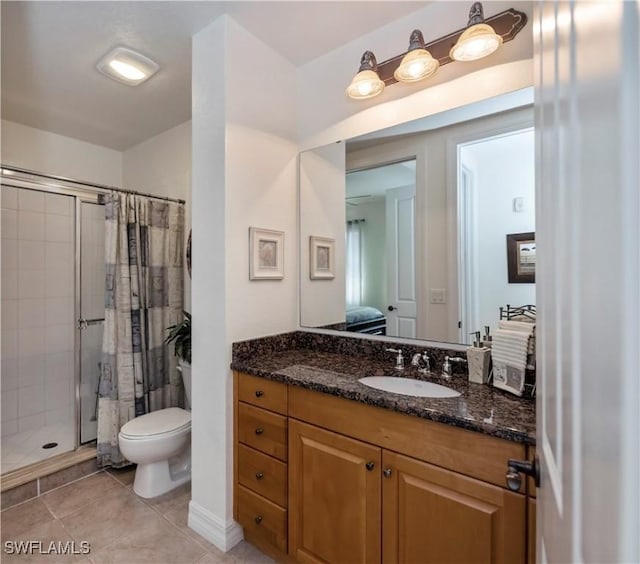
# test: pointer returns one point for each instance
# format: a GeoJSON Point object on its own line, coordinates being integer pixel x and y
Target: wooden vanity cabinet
{"type": "Point", "coordinates": [433, 515]}
{"type": "Point", "coordinates": [334, 497]}
{"type": "Point", "coordinates": [360, 484]}
{"type": "Point", "coordinates": [260, 462]}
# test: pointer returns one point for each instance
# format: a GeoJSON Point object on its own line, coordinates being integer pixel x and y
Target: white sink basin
{"type": "Point", "coordinates": [408, 387]}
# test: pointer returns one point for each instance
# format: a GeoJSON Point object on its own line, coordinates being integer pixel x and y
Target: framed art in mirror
{"type": "Point", "coordinates": [321, 258]}
{"type": "Point", "coordinates": [521, 258]}
{"type": "Point", "coordinates": [266, 254]}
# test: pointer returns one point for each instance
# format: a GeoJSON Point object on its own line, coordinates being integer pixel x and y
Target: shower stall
{"type": "Point", "coordinates": [53, 285]}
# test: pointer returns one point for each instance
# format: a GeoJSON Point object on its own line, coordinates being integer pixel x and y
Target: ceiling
{"type": "Point", "coordinates": [50, 49]}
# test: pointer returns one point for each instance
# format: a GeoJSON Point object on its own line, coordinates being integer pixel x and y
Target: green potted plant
{"type": "Point", "coordinates": [180, 336]}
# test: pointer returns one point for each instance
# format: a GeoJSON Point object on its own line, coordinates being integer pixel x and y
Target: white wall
{"type": "Point", "coordinates": [50, 153]}
{"type": "Point", "coordinates": [244, 174]}
{"type": "Point", "coordinates": [322, 189]}
{"type": "Point", "coordinates": [162, 166]}
{"type": "Point", "coordinates": [503, 169]}
{"type": "Point", "coordinates": [326, 114]}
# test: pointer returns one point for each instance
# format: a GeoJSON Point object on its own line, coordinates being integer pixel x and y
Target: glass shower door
{"type": "Point", "coordinates": [91, 313]}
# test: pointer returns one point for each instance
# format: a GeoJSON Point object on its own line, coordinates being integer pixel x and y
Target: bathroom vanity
{"type": "Point", "coordinates": [329, 470]}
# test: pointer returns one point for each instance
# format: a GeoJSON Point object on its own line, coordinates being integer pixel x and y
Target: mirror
{"type": "Point", "coordinates": [419, 217]}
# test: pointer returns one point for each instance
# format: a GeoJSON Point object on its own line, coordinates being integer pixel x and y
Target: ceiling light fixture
{"type": "Point", "coordinates": [367, 83]}
{"type": "Point", "coordinates": [417, 63]}
{"type": "Point", "coordinates": [478, 40]}
{"type": "Point", "coordinates": [127, 66]}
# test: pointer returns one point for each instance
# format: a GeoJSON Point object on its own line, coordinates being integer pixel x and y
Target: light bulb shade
{"type": "Point", "coordinates": [416, 65]}
{"type": "Point", "coordinates": [365, 84]}
{"type": "Point", "coordinates": [478, 41]}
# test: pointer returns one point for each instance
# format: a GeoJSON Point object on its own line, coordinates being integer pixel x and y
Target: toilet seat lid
{"type": "Point", "coordinates": [157, 423]}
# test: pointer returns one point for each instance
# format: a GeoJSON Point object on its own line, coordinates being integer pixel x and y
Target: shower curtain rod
{"type": "Point", "coordinates": [89, 184]}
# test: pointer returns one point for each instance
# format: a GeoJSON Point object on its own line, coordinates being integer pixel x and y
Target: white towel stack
{"type": "Point", "coordinates": [509, 355]}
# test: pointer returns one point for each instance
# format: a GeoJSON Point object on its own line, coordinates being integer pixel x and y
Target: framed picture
{"type": "Point", "coordinates": [266, 254]}
{"type": "Point", "coordinates": [521, 258]}
{"type": "Point", "coordinates": [321, 258]}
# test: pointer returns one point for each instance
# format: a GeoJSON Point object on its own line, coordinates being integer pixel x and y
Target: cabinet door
{"type": "Point", "coordinates": [334, 497]}
{"type": "Point", "coordinates": [432, 515]}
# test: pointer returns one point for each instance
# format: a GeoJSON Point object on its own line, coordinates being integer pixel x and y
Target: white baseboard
{"type": "Point", "coordinates": [224, 535]}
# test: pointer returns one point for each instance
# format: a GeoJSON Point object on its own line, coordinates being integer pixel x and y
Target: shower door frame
{"type": "Point", "coordinates": [81, 193]}
{"type": "Point", "coordinates": [89, 198]}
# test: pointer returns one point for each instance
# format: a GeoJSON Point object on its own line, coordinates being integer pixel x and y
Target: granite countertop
{"type": "Point", "coordinates": [480, 408]}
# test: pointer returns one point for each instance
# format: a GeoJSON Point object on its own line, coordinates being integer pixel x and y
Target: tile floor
{"type": "Point", "coordinates": [120, 527]}
{"type": "Point", "coordinates": [21, 449]}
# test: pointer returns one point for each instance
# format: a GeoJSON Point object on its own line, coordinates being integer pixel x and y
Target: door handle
{"type": "Point", "coordinates": [391, 308]}
{"type": "Point", "coordinates": [515, 467]}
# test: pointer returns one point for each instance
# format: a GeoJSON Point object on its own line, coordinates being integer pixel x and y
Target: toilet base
{"type": "Point", "coordinates": [157, 478]}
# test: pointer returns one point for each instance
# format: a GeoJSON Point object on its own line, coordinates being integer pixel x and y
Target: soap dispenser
{"type": "Point", "coordinates": [487, 341]}
{"type": "Point", "coordinates": [478, 358]}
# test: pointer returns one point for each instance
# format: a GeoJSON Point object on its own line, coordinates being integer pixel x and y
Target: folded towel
{"type": "Point", "coordinates": [510, 347]}
{"type": "Point", "coordinates": [517, 326]}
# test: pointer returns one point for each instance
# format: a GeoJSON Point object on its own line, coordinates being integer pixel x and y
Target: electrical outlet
{"type": "Point", "coordinates": [438, 296]}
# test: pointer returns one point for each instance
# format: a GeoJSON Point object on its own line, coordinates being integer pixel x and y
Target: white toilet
{"type": "Point", "coordinates": [160, 444]}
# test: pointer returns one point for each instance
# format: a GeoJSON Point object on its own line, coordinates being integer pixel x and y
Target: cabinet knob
{"type": "Point", "coordinates": [259, 393]}
{"type": "Point", "coordinates": [259, 431]}
{"type": "Point", "coordinates": [370, 466]}
{"type": "Point", "coordinates": [387, 472]}
{"type": "Point", "coordinates": [258, 519]}
{"type": "Point", "coordinates": [259, 475]}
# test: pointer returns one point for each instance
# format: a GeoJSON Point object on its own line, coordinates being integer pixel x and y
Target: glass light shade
{"type": "Point", "coordinates": [365, 84]}
{"type": "Point", "coordinates": [416, 65]}
{"type": "Point", "coordinates": [476, 42]}
{"type": "Point", "coordinates": [127, 66]}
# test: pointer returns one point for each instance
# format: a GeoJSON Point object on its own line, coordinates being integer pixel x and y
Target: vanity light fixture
{"type": "Point", "coordinates": [417, 63]}
{"type": "Point", "coordinates": [367, 83]}
{"type": "Point", "coordinates": [478, 40]}
{"type": "Point", "coordinates": [127, 66]}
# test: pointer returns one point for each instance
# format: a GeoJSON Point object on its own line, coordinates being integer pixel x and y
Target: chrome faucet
{"type": "Point", "coordinates": [421, 362]}
{"type": "Point", "coordinates": [447, 369]}
{"type": "Point", "coordinates": [399, 359]}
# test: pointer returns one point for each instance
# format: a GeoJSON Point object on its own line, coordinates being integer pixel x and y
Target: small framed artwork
{"type": "Point", "coordinates": [321, 258]}
{"type": "Point", "coordinates": [266, 254]}
{"type": "Point", "coordinates": [521, 258]}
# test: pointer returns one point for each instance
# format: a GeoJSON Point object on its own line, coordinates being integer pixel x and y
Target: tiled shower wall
{"type": "Point", "coordinates": [38, 258]}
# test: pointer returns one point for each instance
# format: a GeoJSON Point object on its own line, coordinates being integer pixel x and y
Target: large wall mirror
{"type": "Point", "coordinates": [430, 225]}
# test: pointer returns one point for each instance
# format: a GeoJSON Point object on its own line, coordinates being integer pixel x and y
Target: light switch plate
{"type": "Point", "coordinates": [518, 204]}
{"type": "Point", "coordinates": [438, 296]}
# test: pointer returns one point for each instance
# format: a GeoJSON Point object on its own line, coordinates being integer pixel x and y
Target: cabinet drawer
{"type": "Point", "coordinates": [262, 474]}
{"type": "Point", "coordinates": [262, 519]}
{"type": "Point", "coordinates": [262, 430]}
{"type": "Point", "coordinates": [262, 393]}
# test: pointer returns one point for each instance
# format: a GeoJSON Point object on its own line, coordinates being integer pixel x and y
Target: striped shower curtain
{"type": "Point", "coordinates": [144, 296]}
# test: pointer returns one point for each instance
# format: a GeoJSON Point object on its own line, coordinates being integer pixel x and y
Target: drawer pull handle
{"type": "Point", "coordinates": [258, 519]}
{"type": "Point", "coordinates": [259, 393]}
{"type": "Point", "coordinates": [259, 475]}
{"type": "Point", "coordinates": [259, 431]}
{"type": "Point", "coordinates": [370, 466]}
{"type": "Point", "coordinates": [387, 472]}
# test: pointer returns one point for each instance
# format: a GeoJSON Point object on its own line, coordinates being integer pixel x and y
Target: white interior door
{"type": "Point", "coordinates": [588, 282]}
{"type": "Point", "coordinates": [401, 262]}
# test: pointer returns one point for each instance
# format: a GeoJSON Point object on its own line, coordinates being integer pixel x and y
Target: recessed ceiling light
{"type": "Point", "coordinates": [127, 66]}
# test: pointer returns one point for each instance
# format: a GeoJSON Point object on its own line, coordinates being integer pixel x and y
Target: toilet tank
{"type": "Point", "coordinates": [185, 370]}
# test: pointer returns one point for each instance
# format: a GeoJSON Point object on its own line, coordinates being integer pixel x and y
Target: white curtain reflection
{"type": "Point", "coordinates": [354, 262]}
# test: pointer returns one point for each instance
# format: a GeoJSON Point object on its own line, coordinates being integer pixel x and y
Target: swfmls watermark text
{"type": "Point", "coordinates": [40, 547]}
